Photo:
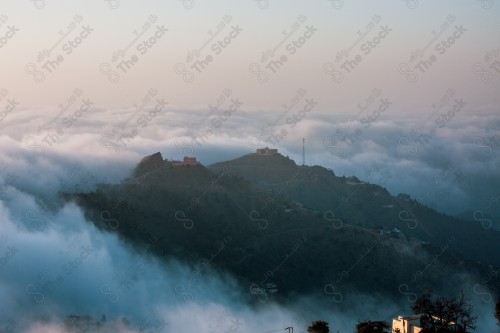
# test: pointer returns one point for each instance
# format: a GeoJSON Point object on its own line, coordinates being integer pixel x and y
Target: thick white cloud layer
{"type": "Point", "coordinates": [56, 264]}
{"type": "Point", "coordinates": [421, 153]}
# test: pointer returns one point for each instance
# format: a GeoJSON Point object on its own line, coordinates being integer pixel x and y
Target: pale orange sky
{"type": "Point", "coordinates": [262, 29]}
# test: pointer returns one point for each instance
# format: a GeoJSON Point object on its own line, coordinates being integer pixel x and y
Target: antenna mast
{"type": "Point", "coordinates": [303, 152]}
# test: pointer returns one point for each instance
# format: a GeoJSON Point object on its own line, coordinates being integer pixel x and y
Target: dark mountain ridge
{"type": "Point", "coordinates": [283, 229]}
{"type": "Point", "coordinates": [367, 205]}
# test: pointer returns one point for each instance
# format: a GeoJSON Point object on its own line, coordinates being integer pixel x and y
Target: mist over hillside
{"type": "Point", "coordinates": [283, 230]}
{"type": "Point", "coordinates": [249, 166]}
{"type": "Point", "coordinates": [219, 242]}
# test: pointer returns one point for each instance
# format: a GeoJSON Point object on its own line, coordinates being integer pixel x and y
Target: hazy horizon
{"type": "Point", "coordinates": [403, 94]}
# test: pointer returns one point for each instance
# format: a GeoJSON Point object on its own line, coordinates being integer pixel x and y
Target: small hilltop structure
{"type": "Point", "coordinates": [266, 151]}
{"type": "Point", "coordinates": [186, 161]}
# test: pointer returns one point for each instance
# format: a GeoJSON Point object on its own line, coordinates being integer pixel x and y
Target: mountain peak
{"type": "Point", "coordinates": [262, 159]}
{"type": "Point", "coordinates": [149, 162]}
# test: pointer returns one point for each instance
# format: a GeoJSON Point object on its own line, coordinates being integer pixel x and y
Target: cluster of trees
{"type": "Point", "coordinates": [497, 311]}
{"type": "Point", "coordinates": [438, 315]}
{"type": "Point", "coordinates": [445, 314]}
{"type": "Point", "coordinates": [373, 327]}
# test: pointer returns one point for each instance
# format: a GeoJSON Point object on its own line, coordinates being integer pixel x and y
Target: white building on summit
{"type": "Point", "coordinates": [266, 151]}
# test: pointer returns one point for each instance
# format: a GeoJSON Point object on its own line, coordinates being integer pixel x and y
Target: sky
{"type": "Point", "coordinates": [407, 86]}
{"type": "Point", "coordinates": [400, 93]}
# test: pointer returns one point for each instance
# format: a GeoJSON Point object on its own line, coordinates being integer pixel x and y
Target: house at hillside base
{"type": "Point", "coordinates": [412, 324]}
{"type": "Point", "coordinates": [409, 324]}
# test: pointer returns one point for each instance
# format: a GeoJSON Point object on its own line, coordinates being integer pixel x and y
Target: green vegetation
{"type": "Point", "coordinates": [373, 327]}
{"type": "Point", "coordinates": [281, 229]}
{"type": "Point", "coordinates": [445, 314]}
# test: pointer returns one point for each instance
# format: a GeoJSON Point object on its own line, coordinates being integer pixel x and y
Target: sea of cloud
{"type": "Point", "coordinates": [55, 263]}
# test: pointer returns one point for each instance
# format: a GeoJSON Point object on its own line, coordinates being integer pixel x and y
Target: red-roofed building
{"type": "Point", "coordinates": [187, 161]}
